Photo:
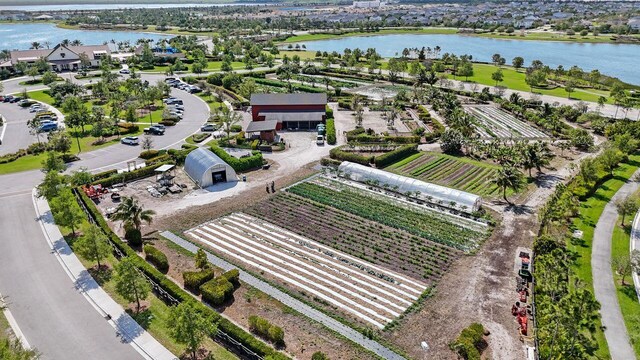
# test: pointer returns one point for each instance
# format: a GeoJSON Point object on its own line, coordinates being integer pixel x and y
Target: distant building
{"type": "Point", "coordinates": [159, 52]}
{"type": "Point", "coordinates": [60, 58]}
{"type": "Point", "coordinates": [374, 4]}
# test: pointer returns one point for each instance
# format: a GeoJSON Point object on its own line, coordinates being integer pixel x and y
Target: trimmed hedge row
{"type": "Point", "coordinates": [243, 164]}
{"type": "Point", "coordinates": [148, 154]}
{"type": "Point", "coordinates": [425, 117]}
{"type": "Point", "coordinates": [395, 155]}
{"type": "Point", "coordinates": [174, 290]}
{"type": "Point", "coordinates": [331, 132]}
{"type": "Point", "coordinates": [267, 330]}
{"type": "Point", "coordinates": [131, 175]}
{"type": "Point", "coordinates": [338, 154]}
{"type": "Point", "coordinates": [217, 291]}
{"type": "Point", "coordinates": [364, 138]}
{"type": "Point", "coordinates": [156, 257]}
{"type": "Point", "coordinates": [194, 279]}
{"type": "Point", "coordinates": [295, 86]}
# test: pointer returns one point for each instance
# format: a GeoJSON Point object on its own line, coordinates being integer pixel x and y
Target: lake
{"type": "Point", "coordinates": [20, 36]}
{"type": "Point", "coordinates": [611, 59]}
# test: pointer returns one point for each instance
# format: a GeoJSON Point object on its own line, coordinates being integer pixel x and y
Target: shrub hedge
{"type": "Point", "coordinates": [395, 155]}
{"type": "Point", "coordinates": [365, 138]}
{"type": "Point", "coordinates": [233, 276]}
{"type": "Point", "coordinates": [217, 291]}
{"type": "Point", "coordinates": [131, 175]}
{"type": "Point", "coordinates": [469, 342]}
{"type": "Point", "coordinates": [339, 154]}
{"type": "Point", "coordinates": [157, 258]}
{"type": "Point", "coordinates": [331, 131]}
{"type": "Point", "coordinates": [148, 154]}
{"type": "Point", "coordinates": [267, 330]}
{"type": "Point", "coordinates": [242, 164]}
{"type": "Point", "coordinates": [175, 291]}
{"type": "Point", "coordinates": [194, 279]}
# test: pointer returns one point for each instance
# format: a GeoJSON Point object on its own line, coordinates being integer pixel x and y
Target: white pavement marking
{"type": "Point", "coordinates": [125, 326]}
{"type": "Point", "coordinates": [12, 322]}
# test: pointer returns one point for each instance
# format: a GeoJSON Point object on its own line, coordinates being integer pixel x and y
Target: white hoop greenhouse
{"type": "Point", "coordinates": [206, 168]}
{"type": "Point", "coordinates": [442, 195]}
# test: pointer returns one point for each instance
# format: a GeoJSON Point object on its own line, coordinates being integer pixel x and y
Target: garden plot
{"type": "Point", "coordinates": [464, 174]}
{"type": "Point", "coordinates": [369, 292]}
{"type": "Point", "coordinates": [495, 123]}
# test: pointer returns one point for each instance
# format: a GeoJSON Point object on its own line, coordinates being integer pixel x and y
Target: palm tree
{"type": "Point", "coordinates": [508, 177]}
{"type": "Point", "coordinates": [65, 42]}
{"type": "Point", "coordinates": [132, 213]}
{"type": "Point", "coordinates": [35, 45]}
{"type": "Point", "coordinates": [76, 42]}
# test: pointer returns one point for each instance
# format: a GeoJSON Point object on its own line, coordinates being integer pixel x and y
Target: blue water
{"type": "Point", "coordinates": [20, 36]}
{"type": "Point", "coordinates": [618, 60]}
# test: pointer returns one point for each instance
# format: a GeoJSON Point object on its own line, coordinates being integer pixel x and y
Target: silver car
{"type": "Point", "coordinates": [130, 140]}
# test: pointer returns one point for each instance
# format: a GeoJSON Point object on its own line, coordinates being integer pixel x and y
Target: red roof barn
{"type": "Point", "coordinates": [289, 111]}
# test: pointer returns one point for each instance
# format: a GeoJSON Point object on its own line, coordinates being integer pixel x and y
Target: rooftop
{"type": "Point", "coordinates": [289, 99]}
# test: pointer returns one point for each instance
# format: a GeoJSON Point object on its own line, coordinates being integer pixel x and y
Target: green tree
{"type": "Point", "coordinates": [610, 158]}
{"type": "Point", "coordinates": [33, 72]}
{"type": "Point", "coordinates": [49, 77]}
{"type": "Point", "coordinates": [228, 119]}
{"type": "Point", "coordinates": [465, 69]}
{"type": "Point", "coordinates": [132, 213]}
{"type": "Point", "coordinates": [189, 327]}
{"type": "Point", "coordinates": [497, 76]}
{"type": "Point", "coordinates": [569, 87]}
{"type": "Point", "coordinates": [93, 245]}
{"type": "Point", "coordinates": [66, 211]}
{"type": "Point", "coordinates": [60, 142]}
{"type": "Point", "coordinates": [53, 162]}
{"type": "Point", "coordinates": [508, 177]}
{"type": "Point", "coordinates": [129, 282]}
{"type": "Point", "coordinates": [622, 265]}
{"type": "Point", "coordinates": [626, 206]}
{"type": "Point", "coordinates": [51, 185]}
{"type": "Point", "coordinates": [517, 62]}
{"type": "Point", "coordinates": [201, 260]}
{"type": "Point", "coordinates": [535, 78]}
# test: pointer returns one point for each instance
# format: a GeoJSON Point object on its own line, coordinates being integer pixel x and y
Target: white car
{"type": "Point", "coordinates": [130, 140]}
{"type": "Point", "coordinates": [125, 71]}
{"type": "Point", "coordinates": [35, 109]}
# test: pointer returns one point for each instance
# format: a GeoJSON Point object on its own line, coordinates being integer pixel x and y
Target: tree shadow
{"type": "Point", "coordinates": [128, 328]}
{"type": "Point", "coordinates": [629, 291]}
{"type": "Point", "coordinates": [519, 209]}
{"type": "Point", "coordinates": [143, 318]}
{"type": "Point", "coordinates": [102, 275]}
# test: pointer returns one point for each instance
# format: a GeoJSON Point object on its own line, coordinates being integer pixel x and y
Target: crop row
{"type": "Point", "coordinates": [496, 123]}
{"type": "Point", "coordinates": [428, 226]}
{"type": "Point", "coordinates": [395, 250]}
{"type": "Point", "coordinates": [451, 172]}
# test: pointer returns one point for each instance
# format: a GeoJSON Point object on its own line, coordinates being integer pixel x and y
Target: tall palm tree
{"type": "Point", "coordinates": [35, 45]}
{"type": "Point", "coordinates": [65, 42]}
{"type": "Point", "coordinates": [508, 177]}
{"type": "Point", "coordinates": [132, 213]}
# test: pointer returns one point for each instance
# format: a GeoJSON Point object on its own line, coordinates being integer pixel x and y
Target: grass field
{"type": "Point", "coordinates": [313, 37]}
{"type": "Point", "coordinates": [514, 79]}
{"type": "Point", "coordinates": [456, 172]}
{"type": "Point", "coordinates": [590, 211]}
{"type": "Point", "coordinates": [550, 36]}
{"type": "Point", "coordinates": [627, 297]}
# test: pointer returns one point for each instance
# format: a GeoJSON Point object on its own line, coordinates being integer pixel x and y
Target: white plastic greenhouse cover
{"type": "Point", "coordinates": [201, 162]}
{"type": "Point", "coordinates": [363, 173]}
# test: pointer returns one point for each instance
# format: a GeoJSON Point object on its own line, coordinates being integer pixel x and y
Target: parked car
{"type": "Point", "coordinates": [15, 99]}
{"type": "Point", "coordinates": [125, 71]}
{"type": "Point", "coordinates": [7, 98]}
{"type": "Point", "coordinates": [177, 107]}
{"type": "Point", "coordinates": [154, 130]}
{"type": "Point", "coordinates": [170, 79]}
{"type": "Point", "coordinates": [48, 126]}
{"type": "Point", "coordinates": [209, 127]}
{"type": "Point", "coordinates": [35, 108]}
{"type": "Point", "coordinates": [320, 140]}
{"type": "Point", "coordinates": [130, 140]}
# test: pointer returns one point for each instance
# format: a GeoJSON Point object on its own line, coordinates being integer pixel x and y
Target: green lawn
{"type": "Point", "coordinates": [213, 105]}
{"type": "Point", "coordinates": [428, 30]}
{"type": "Point", "coordinates": [515, 80]}
{"type": "Point", "coordinates": [303, 54]}
{"type": "Point", "coordinates": [590, 211]}
{"type": "Point", "coordinates": [627, 297]}
{"type": "Point", "coordinates": [550, 36]}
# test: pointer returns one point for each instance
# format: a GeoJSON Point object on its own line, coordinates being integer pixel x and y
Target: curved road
{"type": "Point", "coordinates": [53, 316]}
{"type": "Point", "coordinates": [603, 280]}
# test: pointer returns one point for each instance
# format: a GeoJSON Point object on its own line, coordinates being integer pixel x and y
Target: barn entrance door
{"type": "Point", "coordinates": [219, 176]}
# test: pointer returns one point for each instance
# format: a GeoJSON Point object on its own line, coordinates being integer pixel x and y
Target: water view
{"type": "Point", "coordinates": [610, 59]}
{"type": "Point", "coordinates": [20, 36]}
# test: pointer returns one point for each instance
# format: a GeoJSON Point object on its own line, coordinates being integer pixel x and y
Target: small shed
{"type": "Point", "coordinates": [267, 129]}
{"type": "Point", "coordinates": [205, 168]}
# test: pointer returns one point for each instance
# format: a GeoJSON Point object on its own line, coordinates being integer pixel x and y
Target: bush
{"type": "Point", "coordinates": [344, 104]}
{"type": "Point", "coordinates": [128, 128]}
{"type": "Point", "coordinates": [331, 132]}
{"type": "Point", "coordinates": [131, 175]}
{"type": "Point", "coordinates": [224, 325]}
{"type": "Point", "coordinates": [254, 144]}
{"type": "Point", "coordinates": [264, 328]}
{"type": "Point", "coordinates": [199, 137]}
{"type": "Point", "coordinates": [240, 138]}
{"type": "Point", "coordinates": [194, 279]}
{"type": "Point", "coordinates": [469, 342]}
{"type": "Point", "coordinates": [242, 164]}
{"type": "Point", "coordinates": [233, 276]}
{"type": "Point", "coordinates": [217, 291]}
{"type": "Point", "coordinates": [167, 122]}
{"type": "Point", "coordinates": [236, 128]}
{"type": "Point", "coordinates": [148, 154]}
{"type": "Point", "coordinates": [339, 154]}
{"type": "Point", "coordinates": [133, 236]}
{"type": "Point", "coordinates": [391, 157]}
{"type": "Point", "coordinates": [156, 257]}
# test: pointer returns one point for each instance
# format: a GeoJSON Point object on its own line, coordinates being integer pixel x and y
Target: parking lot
{"type": "Point", "coordinates": [15, 132]}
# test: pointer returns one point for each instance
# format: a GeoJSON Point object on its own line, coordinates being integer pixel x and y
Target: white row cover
{"type": "Point", "coordinates": [440, 194]}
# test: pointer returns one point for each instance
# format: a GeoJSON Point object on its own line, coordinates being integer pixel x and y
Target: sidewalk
{"type": "Point", "coordinates": [633, 245]}
{"type": "Point", "coordinates": [126, 328]}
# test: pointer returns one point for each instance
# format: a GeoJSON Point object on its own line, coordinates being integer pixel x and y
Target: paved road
{"type": "Point", "coordinates": [297, 305]}
{"type": "Point", "coordinates": [603, 281]}
{"type": "Point", "coordinates": [53, 316]}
